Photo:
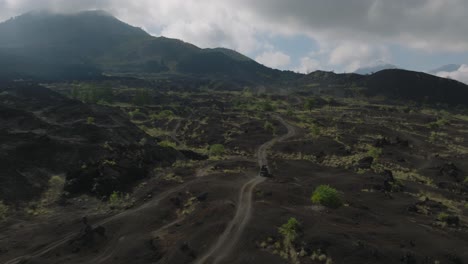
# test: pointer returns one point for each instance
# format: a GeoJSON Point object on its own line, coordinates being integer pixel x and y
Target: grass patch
{"type": "Point", "coordinates": [167, 144]}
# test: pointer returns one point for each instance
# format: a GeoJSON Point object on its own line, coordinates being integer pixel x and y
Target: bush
{"type": "Point", "coordinates": [54, 191]}
{"type": "Point", "coordinates": [3, 211]}
{"type": "Point", "coordinates": [374, 152]}
{"type": "Point", "coordinates": [216, 150]}
{"type": "Point", "coordinates": [90, 120]}
{"type": "Point", "coordinates": [310, 104]}
{"type": "Point", "coordinates": [290, 230]}
{"type": "Point", "coordinates": [327, 196]}
{"type": "Point", "coordinates": [268, 126]}
{"type": "Point", "coordinates": [120, 201]}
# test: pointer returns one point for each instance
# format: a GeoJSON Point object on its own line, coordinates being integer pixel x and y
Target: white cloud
{"type": "Point", "coordinates": [274, 59]}
{"type": "Point", "coordinates": [307, 65]}
{"type": "Point", "coordinates": [354, 55]}
{"type": "Point", "coordinates": [355, 32]}
{"type": "Point", "coordinates": [460, 75]}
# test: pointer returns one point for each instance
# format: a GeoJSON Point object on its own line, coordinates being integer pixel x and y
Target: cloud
{"type": "Point", "coordinates": [354, 32]}
{"type": "Point", "coordinates": [353, 55]}
{"type": "Point", "coordinates": [307, 65]}
{"type": "Point", "coordinates": [274, 59]}
{"type": "Point", "coordinates": [460, 75]}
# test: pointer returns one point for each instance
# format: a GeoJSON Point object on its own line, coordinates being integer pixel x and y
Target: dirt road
{"type": "Point", "coordinates": [229, 238]}
{"type": "Point", "coordinates": [221, 249]}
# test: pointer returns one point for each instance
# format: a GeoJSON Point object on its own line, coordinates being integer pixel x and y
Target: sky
{"type": "Point", "coordinates": [299, 35]}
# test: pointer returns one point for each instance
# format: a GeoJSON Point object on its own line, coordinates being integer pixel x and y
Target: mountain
{"type": "Point", "coordinates": [43, 44]}
{"type": "Point", "coordinates": [394, 84]}
{"type": "Point", "coordinates": [445, 68]}
{"type": "Point", "coordinates": [375, 68]}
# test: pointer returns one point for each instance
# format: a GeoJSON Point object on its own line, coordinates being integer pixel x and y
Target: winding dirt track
{"type": "Point", "coordinates": [229, 238]}
{"type": "Point", "coordinates": [225, 243]}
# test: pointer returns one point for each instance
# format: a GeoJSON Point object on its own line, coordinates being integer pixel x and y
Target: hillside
{"type": "Point", "coordinates": [94, 40]}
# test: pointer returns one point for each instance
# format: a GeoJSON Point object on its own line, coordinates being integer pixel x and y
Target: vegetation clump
{"type": "Point", "coordinates": [137, 115]}
{"type": "Point", "coordinates": [327, 196]}
{"type": "Point", "coordinates": [268, 126]}
{"type": "Point", "coordinates": [290, 230]}
{"type": "Point", "coordinates": [49, 197]}
{"type": "Point", "coordinates": [448, 219]}
{"type": "Point", "coordinates": [374, 152]}
{"type": "Point", "coordinates": [165, 114]}
{"type": "Point", "coordinates": [90, 120]}
{"type": "Point", "coordinates": [167, 144]}
{"type": "Point", "coordinates": [118, 200]}
{"type": "Point", "coordinates": [216, 150]}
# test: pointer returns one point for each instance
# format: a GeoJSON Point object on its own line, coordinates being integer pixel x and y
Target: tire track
{"type": "Point", "coordinates": [228, 239]}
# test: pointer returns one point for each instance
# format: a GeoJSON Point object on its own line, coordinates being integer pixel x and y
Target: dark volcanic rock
{"type": "Point", "coordinates": [365, 163]}
{"type": "Point", "coordinates": [44, 133]}
{"type": "Point", "coordinates": [450, 170]}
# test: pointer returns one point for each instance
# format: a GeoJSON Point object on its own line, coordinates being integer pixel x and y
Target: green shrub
{"type": "Point", "coordinates": [90, 120]}
{"type": "Point", "coordinates": [327, 196]}
{"type": "Point", "coordinates": [268, 126]}
{"type": "Point", "coordinates": [54, 190]}
{"type": "Point", "coordinates": [374, 152]}
{"type": "Point", "coordinates": [290, 230]}
{"type": "Point", "coordinates": [119, 200]}
{"type": "Point", "coordinates": [3, 211]}
{"type": "Point", "coordinates": [310, 104]}
{"type": "Point", "coordinates": [217, 150]}
{"type": "Point", "coordinates": [315, 130]}
{"type": "Point", "coordinates": [438, 124]}
{"type": "Point", "coordinates": [443, 217]}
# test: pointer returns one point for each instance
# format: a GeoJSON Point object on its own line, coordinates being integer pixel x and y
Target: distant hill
{"type": "Point", "coordinates": [394, 84]}
{"type": "Point", "coordinates": [375, 68]}
{"type": "Point", "coordinates": [417, 86]}
{"type": "Point", "coordinates": [45, 43]}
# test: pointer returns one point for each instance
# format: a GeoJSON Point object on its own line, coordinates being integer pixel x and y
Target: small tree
{"type": "Point", "coordinates": [268, 126]}
{"type": "Point", "coordinates": [290, 230]}
{"type": "Point", "coordinates": [216, 150]}
{"type": "Point", "coordinates": [54, 191]}
{"type": "Point", "coordinates": [327, 196]}
{"type": "Point", "coordinates": [309, 104]}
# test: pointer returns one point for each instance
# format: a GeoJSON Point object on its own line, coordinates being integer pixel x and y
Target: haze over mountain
{"type": "Point", "coordinates": [375, 68]}
{"type": "Point", "coordinates": [445, 68]}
